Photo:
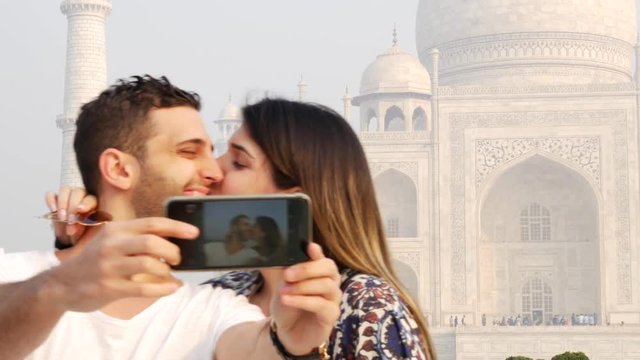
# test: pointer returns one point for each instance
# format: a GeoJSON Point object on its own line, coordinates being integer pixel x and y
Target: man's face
{"type": "Point", "coordinates": [245, 228]}
{"type": "Point", "coordinates": [179, 160]}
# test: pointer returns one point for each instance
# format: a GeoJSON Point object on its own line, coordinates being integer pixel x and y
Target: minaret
{"type": "Point", "coordinates": [637, 48]}
{"type": "Point", "coordinates": [346, 100]}
{"type": "Point", "coordinates": [436, 296]}
{"type": "Point", "coordinates": [85, 72]}
{"type": "Point", "coordinates": [302, 89]}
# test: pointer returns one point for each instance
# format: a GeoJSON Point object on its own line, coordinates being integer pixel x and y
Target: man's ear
{"type": "Point", "coordinates": [118, 169]}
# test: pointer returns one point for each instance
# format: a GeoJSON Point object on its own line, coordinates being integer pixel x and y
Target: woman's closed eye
{"type": "Point", "coordinates": [238, 165]}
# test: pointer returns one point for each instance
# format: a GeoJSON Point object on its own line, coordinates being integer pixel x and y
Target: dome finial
{"type": "Point", "coordinates": [395, 35]}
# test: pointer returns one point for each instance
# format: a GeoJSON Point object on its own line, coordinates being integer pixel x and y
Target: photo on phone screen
{"type": "Point", "coordinates": [241, 232]}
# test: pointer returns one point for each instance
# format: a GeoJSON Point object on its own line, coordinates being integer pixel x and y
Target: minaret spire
{"type": "Point", "coordinates": [302, 89]}
{"type": "Point", "coordinates": [346, 100]}
{"type": "Point", "coordinates": [85, 72]}
{"type": "Point", "coordinates": [395, 35]}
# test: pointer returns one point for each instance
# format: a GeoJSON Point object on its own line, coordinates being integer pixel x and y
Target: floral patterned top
{"type": "Point", "coordinates": [374, 322]}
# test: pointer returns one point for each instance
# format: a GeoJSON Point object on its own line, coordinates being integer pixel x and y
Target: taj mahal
{"type": "Point", "coordinates": [505, 156]}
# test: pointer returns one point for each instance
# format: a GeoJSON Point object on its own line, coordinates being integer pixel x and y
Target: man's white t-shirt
{"type": "Point", "coordinates": [184, 325]}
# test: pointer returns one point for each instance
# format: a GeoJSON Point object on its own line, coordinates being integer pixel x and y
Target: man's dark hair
{"type": "Point", "coordinates": [236, 219]}
{"type": "Point", "coordinates": [118, 119]}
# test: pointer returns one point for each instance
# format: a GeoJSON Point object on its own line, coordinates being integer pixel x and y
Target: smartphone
{"type": "Point", "coordinates": [243, 231]}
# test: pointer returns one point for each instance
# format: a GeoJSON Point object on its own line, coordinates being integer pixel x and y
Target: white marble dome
{"type": "Point", "coordinates": [230, 112]}
{"type": "Point", "coordinates": [566, 41]}
{"type": "Point", "coordinates": [395, 71]}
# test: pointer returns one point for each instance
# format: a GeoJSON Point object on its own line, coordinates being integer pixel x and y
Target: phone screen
{"type": "Point", "coordinates": [241, 232]}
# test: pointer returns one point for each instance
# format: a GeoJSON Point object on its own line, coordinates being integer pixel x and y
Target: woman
{"type": "Point", "coordinates": [267, 236]}
{"type": "Point", "coordinates": [285, 146]}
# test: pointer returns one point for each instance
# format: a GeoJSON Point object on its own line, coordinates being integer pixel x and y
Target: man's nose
{"type": "Point", "coordinates": [212, 172]}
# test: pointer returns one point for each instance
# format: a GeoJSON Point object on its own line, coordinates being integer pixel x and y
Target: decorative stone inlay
{"type": "Point", "coordinates": [450, 91]}
{"type": "Point", "coordinates": [63, 122]}
{"type": "Point", "coordinates": [393, 135]}
{"type": "Point", "coordinates": [409, 168]}
{"type": "Point", "coordinates": [584, 152]}
{"type": "Point", "coordinates": [561, 48]}
{"type": "Point", "coordinates": [84, 7]}
{"type": "Point", "coordinates": [615, 119]}
{"type": "Point", "coordinates": [410, 258]}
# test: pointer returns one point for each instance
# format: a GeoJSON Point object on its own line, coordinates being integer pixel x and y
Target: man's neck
{"type": "Point", "coordinates": [127, 308]}
{"type": "Point", "coordinates": [117, 206]}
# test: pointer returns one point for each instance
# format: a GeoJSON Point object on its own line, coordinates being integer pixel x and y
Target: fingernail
{"type": "Point", "coordinates": [62, 215]}
{"type": "Point", "coordinates": [81, 207]}
{"type": "Point", "coordinates": [193, 230]}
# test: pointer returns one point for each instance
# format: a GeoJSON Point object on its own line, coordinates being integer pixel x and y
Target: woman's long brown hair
{"type": "Point", "coordinates": [313, 147]}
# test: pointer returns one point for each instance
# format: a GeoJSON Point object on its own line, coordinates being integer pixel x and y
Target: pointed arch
{"type": "Point", "coordinates": [419, 119]}
{"type": "Point", "coordinates": [408, 277]}
{"type": "Point", "coordinates": [539, 213]}
{"type": "Point", "coordinates": [397, 198]}
{"type": "Point", "coordinates": [537, 300]}
{"type": "Point", "coordinates": [394, 119]}
{"type": "Point", "coordinates": [371, 121]}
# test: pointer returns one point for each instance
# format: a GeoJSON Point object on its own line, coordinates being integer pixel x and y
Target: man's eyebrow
{"type": "Point", "coordinates": [195, 141]}
{"type": "Point", "coordinates": [241, 148]}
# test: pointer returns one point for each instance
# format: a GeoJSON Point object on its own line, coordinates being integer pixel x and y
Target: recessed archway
{"type": "Point", "coordinates": [539, 216]}
{"type": "Point", "coordinates": [397, 198]}
{"type": "Point", "coordinates": [419, 119]}
{"type": "Point", "coordinates": [394, 119]}
{"type": "Point", "coordinates": [408, 278]}
{"type": "Point", "coordinates": [372, 121]}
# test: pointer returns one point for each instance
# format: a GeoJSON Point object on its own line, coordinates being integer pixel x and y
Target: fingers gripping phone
{"type": "Point", "coordinates": [243, 231]}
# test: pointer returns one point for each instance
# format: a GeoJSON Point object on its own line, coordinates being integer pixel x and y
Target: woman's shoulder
{"type": "Point", "coordinates": [375, 319]}
{"type": "Point", "coordinates": [242, 282]}
{"type": "Point", "coordinates": [368, 292]}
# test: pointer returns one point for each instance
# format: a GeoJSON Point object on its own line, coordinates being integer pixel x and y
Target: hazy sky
{"type": "Point", "coordinates": [216, 48]}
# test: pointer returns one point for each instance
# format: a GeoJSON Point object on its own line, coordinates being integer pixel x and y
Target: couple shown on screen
{"type": "Point", "coordinates": [246, 242]}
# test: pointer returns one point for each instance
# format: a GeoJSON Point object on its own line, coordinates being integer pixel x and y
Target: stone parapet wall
{"type": "Point", "coordinates": [498, 343]}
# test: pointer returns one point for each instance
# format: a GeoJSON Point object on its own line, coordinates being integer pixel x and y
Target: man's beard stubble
{"type": "Point", "coordinates": [150, 193]}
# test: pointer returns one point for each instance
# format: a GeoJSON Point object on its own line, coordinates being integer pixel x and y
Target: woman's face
{"type": "Point", "coordinates": [246, 168]}
{"type": "Point", "coordinates": [258, 233]}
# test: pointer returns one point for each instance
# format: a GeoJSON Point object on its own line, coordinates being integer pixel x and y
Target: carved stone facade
{"type": "Point", "coordinates": [410, 168]}
{"type": "Point", "coordinates": [582, 151]}
{"type": "Point", "coordinates": [527, 176]}
{"type": "Point", "coordinates": [608, 59]}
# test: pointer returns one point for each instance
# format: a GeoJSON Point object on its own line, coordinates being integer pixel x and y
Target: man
{"type": "Point", "coordinates": [112, 295]}
{"type": "Point", "coordinates": [234, 249]}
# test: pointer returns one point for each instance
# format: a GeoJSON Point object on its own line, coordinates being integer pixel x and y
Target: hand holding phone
{"type": "Point", "coordinates": [243, 231]}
